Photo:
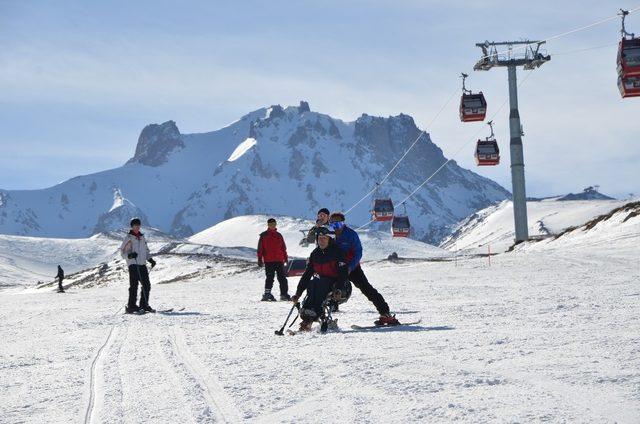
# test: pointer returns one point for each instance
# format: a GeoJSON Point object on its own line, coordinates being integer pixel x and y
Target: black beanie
{"type": "Point", "coordinates": [270, 220]}
{"type": "Point", "coordinates": [135, 221]}
{"type": "Point", "coordinates": [324, 210]}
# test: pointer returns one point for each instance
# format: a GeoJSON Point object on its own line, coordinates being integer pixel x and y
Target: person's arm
{"type": "Point", "coordinates": [149, 258]}
{"type": "Point", "coordinates": [126, 245]}
{"type": "Point", "coordinates": [311, 235]}
{"type": "Point", "coordinates": [260, 248]}
{"type": "Point", "coordinates": [284, 246]}
{"type": "Point", "coordinates": [357, 251]}
{"type": "Point", "coordinates": [304, 280]}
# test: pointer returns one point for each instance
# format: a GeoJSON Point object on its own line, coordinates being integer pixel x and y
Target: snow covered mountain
{"type": "Point", "coordinates": [283, 161]}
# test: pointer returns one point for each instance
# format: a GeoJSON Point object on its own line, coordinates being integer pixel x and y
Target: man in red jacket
{"type": "Point", "coordinates": [272, 253]}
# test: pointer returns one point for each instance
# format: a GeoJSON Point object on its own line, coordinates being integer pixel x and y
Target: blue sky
{"type": "Point", "coordinates": [79, 80]}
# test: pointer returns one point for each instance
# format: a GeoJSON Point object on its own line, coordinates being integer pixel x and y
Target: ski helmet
{"type": "Point", "coordinates": [324, 231]}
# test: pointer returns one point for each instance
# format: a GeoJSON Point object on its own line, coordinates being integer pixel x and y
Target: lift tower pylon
{"type": "Point", "coordinates": [530, 59]}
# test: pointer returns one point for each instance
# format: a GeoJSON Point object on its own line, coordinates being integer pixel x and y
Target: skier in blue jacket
{"type": "Point", "coordinates": [349, 242]}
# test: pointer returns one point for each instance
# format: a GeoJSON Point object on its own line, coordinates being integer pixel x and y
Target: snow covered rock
{"type": "Point", "coordinates": [156, 142]}
{"type": "Point", "coordinates": [119, 215]}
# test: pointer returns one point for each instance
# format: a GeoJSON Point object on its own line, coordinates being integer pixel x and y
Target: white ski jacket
{"type": "Point", "coordinates": [138, 244]}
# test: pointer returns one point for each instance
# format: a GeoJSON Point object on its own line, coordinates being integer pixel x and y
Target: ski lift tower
{"type": "Point", "coordinates": [530, 59]}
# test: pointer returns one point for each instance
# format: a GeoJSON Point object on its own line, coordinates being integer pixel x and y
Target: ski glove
{"type": "Point", "coordinates": [260, 263]}
{"type": "Point", "coordinates": [132, 255]}
{"type": "Point", "coordinates": [152, 262]}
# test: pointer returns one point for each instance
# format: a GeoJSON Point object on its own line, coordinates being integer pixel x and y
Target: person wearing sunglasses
{"type": "Point", "coordinates": [349, 242]}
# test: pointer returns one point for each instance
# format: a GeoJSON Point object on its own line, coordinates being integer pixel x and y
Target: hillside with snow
{"type": "Point", "coordinates": [244, 231]}
{"type": "Point", "coordinates": [493, 227]}
{"type": "Point", "coordinates": [285, 161]}
{"type": "Point", "coordinates": [25, 261]}
{"type": "Point", "coordinates": [547, 332]}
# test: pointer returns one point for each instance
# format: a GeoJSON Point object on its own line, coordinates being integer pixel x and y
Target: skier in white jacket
{"type": "Point", "coordinates": [135, 251]}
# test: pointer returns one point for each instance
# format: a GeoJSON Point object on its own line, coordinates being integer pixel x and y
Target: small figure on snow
{"type": "Point", "coordinates": [60, 277]}
{"type": "Point", "coordinates": [272, 254]}
{"type": "Point", "coordinates": [136, 252]}
{"type": "Point", "coordinates": [325, 280]}
{"type": "Point", "coordinates": [349, 242]}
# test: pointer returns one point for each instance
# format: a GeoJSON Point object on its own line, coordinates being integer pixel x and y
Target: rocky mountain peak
{"type": "Point", "coordinates": [156, 142]}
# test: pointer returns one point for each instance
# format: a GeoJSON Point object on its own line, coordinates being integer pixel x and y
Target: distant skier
{"type": "Point", "coordinates": [135, 250]}
{"type": "Point", "coordinates": [325, 278]}
{"type": "Point", "coordinates": [60, 277]}
{"type": "Point", "coordinates": [272, 254]}
{"type": "Point", "coordinates": [349, 242]}
{"type": "Point", "coordinates": [322, 219]}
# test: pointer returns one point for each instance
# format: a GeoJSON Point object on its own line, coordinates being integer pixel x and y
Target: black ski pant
{"type": "Point", "coordinates": [317, 292]}
{"type": "Point", "coordinates": [359, 280]}
{"type": "Point", "coordinates": [271, 269]}
{"type": "Point", "coordinates": [60, 288]}
{"type": "Point", "coordinates": [138, 274]}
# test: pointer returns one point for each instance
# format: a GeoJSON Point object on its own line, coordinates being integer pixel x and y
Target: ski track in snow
{"type": "Point", "coordinates": [201, 381]}
{"type": "Point", "coordinates": [92, 374]}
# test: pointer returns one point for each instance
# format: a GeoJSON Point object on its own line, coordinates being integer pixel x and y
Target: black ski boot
{"type": "Point", "coordinates": [285, 297]}
{"type": "Point", "coordinates": [149, 309]}
{"type": "Point", "coordinates": [133, 310]}
{"type": "Point", "coordinates": [268, 297]}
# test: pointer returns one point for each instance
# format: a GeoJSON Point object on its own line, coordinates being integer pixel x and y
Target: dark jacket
{"type": "Point", "coordinates": [271, 247]}
{"type": "Point", "coordinates": [60, 273]}
{"type": "Point", "coordinates": [349, 243]}
{"type": "Point", "coordinates": [327, 263]}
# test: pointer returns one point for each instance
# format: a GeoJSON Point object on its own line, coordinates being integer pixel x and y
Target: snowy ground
{"type": "Point", "coordinates": [539, 335]}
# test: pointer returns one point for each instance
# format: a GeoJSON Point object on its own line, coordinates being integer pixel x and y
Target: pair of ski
{"type": "Point", "coordinates": [364, 327]}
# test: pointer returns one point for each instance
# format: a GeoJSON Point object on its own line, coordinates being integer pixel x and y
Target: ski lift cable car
{"type": "Point", "coordinates": [487, 150]}
{"type": "Point", "coordinates": [401, 227]}
{"type": "Point", "coordinates": [628, 51]}
{"type": "Point", "coordinates": [473, 107]}
{"type": "Point", "coordinates": [628, 62]}
{"type": "Point", "coordinates": [382, 208]}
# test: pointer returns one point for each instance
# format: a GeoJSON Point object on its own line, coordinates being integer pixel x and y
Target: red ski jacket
{"type": "Point", "coordinates": [271, 247]}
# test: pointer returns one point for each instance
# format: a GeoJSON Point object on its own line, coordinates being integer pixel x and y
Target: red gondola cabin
{"type": "Point", "coordinates": [629, 57]}
{"type": "Point", "coordinates": [400, 227]}
{"type": "Point", "coordinates": [487, 153]}
{"type": "Point", "coordinates": [629, 86]}
{"type": "Point", "coordinates": [473, 107]}
{"type": "Point", "coordinates": [382, 210]}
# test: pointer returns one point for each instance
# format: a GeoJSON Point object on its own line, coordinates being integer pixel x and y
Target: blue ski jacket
{"type": "Point", "coordinates": [349, 243]}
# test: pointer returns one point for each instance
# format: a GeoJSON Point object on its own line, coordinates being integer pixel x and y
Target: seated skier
{"type": "Point", "coordinates": [325, 280]}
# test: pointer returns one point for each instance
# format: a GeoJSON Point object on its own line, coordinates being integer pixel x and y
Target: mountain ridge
{"type": "Point", "coordinates": [274, 160]}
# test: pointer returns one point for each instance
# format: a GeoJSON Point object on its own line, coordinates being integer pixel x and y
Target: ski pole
{"type": "Point", "coordinates": [281, 331]}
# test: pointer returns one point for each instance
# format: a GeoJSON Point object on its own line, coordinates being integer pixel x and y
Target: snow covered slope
{"type": "Point", "coordinates": [244, 231]}
{"type": "Point", "coordinates": [618, 230]}
{"type": "Point", "coordinates": [494, 225]}
{"type": "Point", "coordinates": [26, 260]}
{"type": "Point", "coordinates": [537, 337]}
{"type": "Point", "coordinates": [287, 161]}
